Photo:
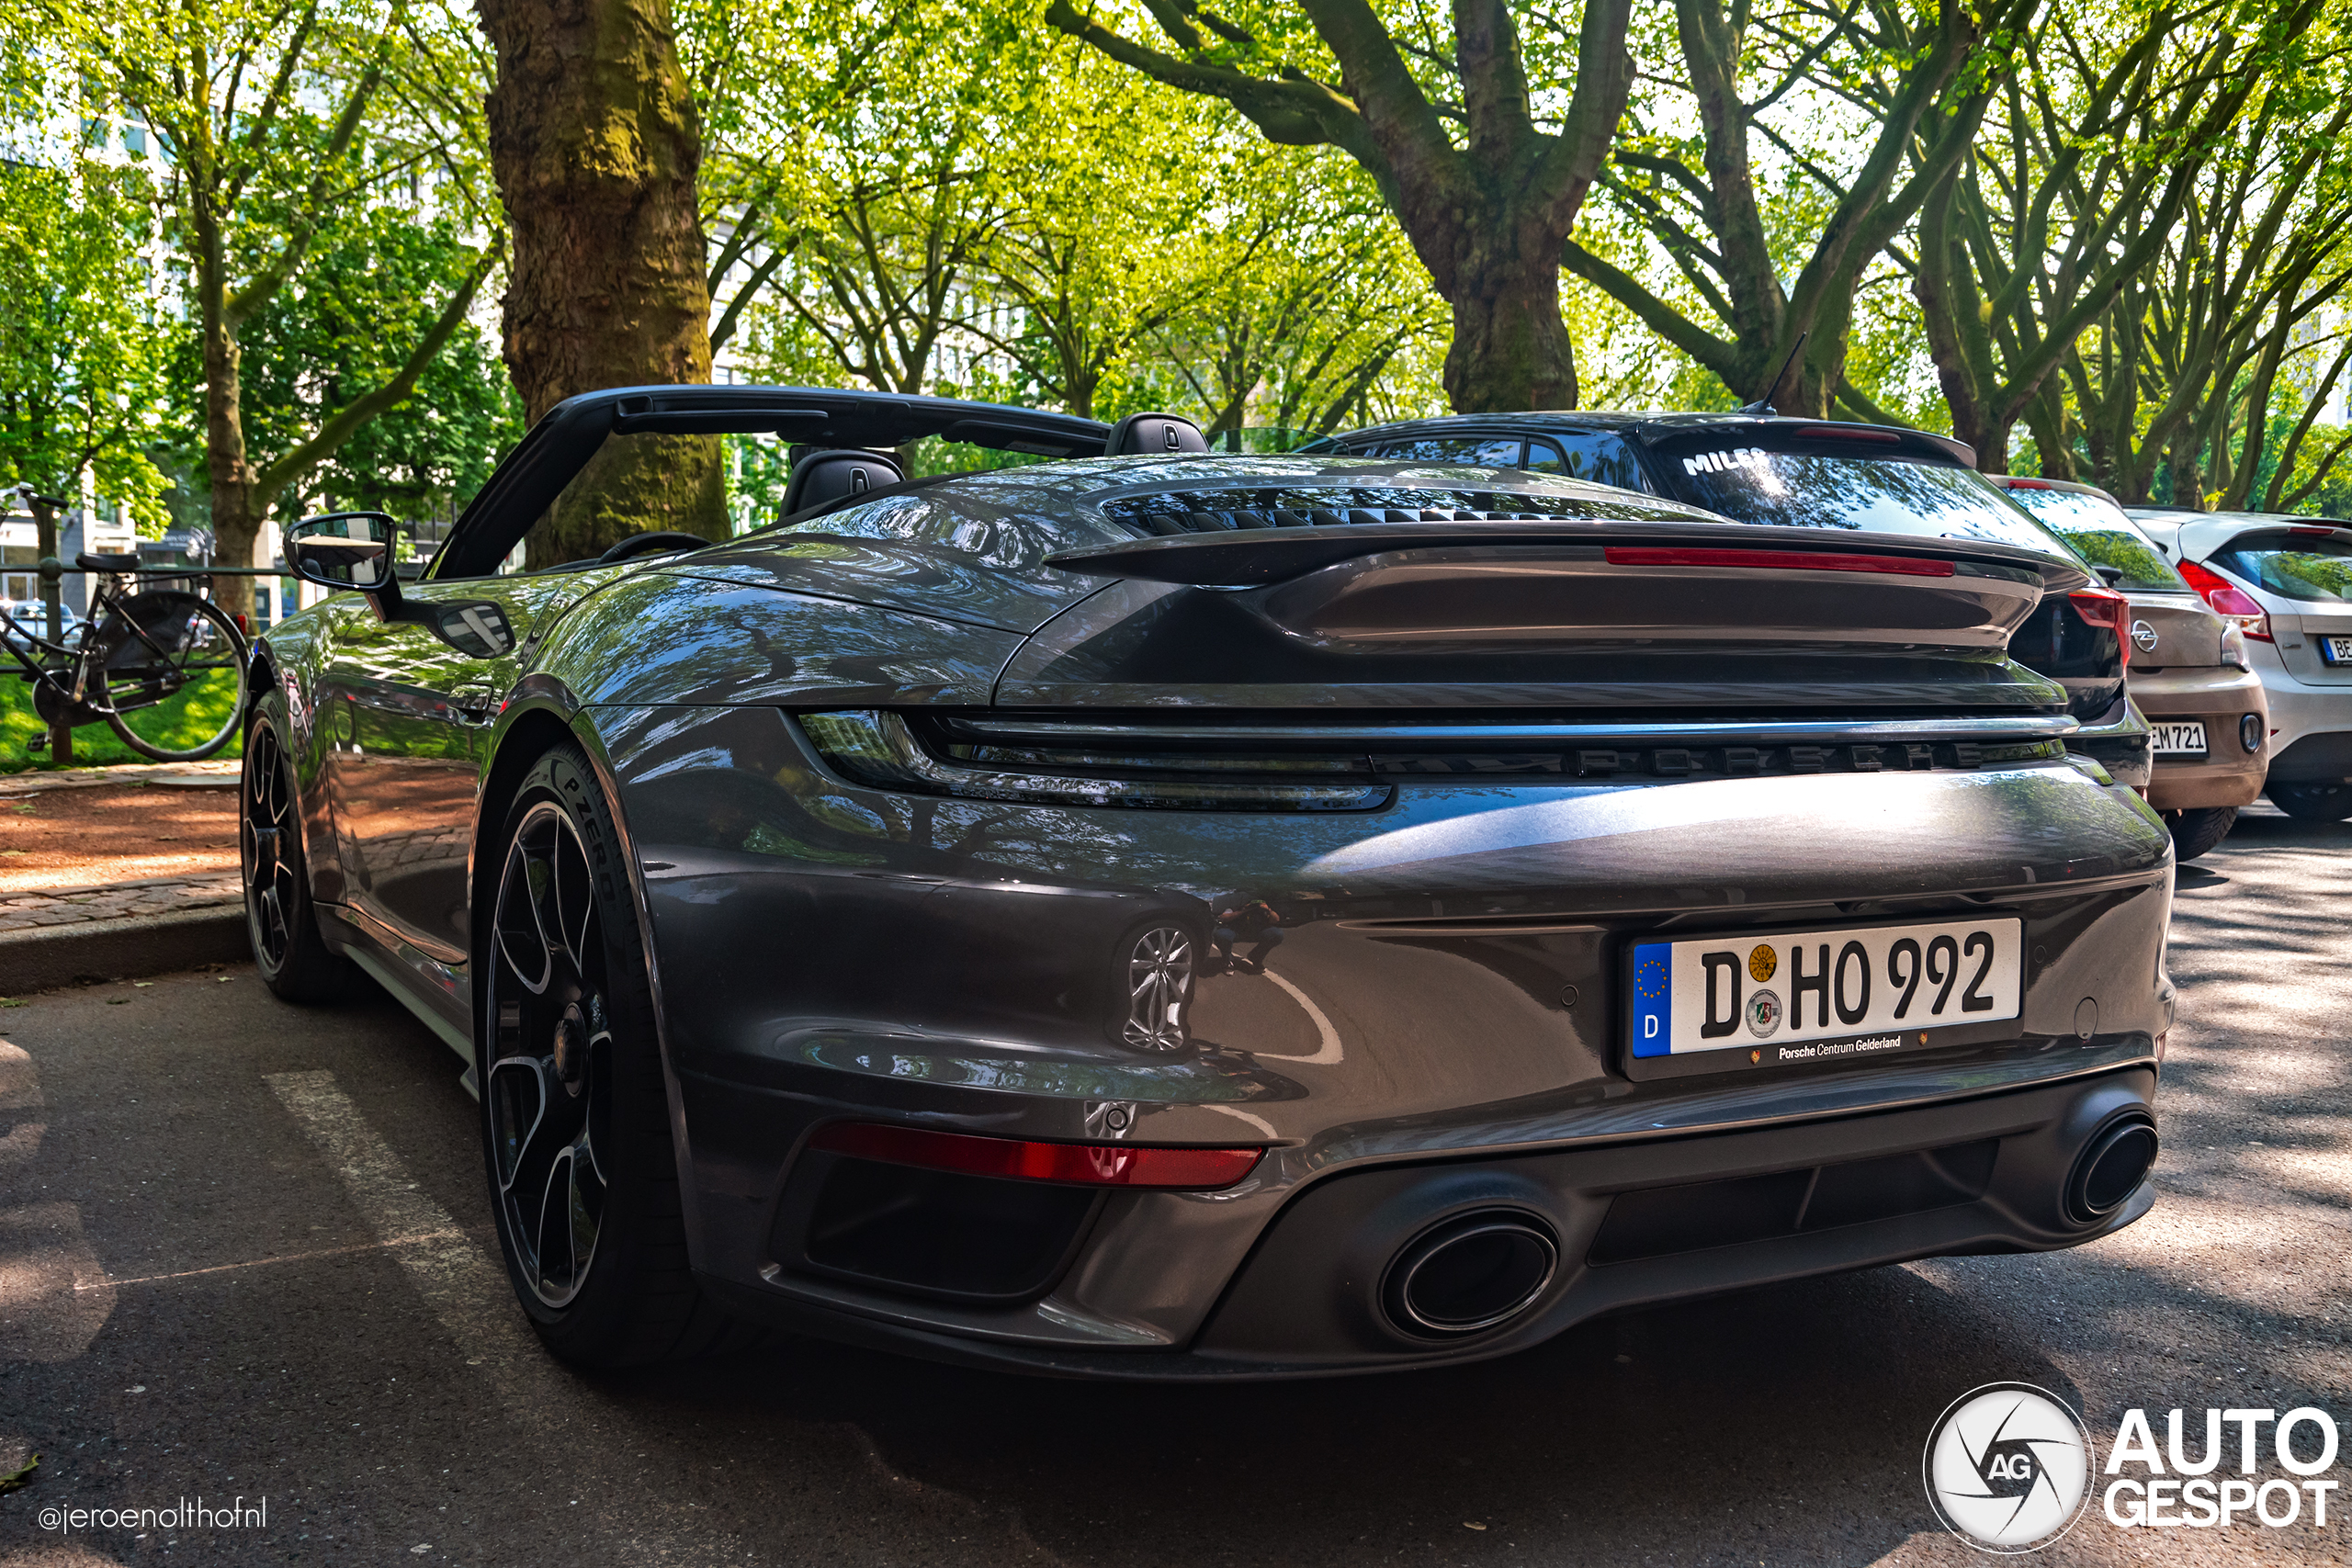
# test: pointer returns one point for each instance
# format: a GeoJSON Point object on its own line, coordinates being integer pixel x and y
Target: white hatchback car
{"type": "Point", "coordinates": [2287, 583]}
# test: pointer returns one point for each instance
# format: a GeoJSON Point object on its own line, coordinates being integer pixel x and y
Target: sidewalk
{"type": "Point", "coordinates": [94, 886]}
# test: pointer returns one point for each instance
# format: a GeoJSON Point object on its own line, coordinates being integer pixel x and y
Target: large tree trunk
{"type": "Point", "coordinates": [236, 520]}
{"type": "Point", "coordinates": [1490, 217]}
{"type": "Point", "coordinates": [1510, 348]}
{"type": "Point", "coordinates": [596, 146]}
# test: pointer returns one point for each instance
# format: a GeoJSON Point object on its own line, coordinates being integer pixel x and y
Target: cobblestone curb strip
{"type": "Point", "coordinates": [115, 934]}
{"type": "Point", "coordinates": [184, 776]}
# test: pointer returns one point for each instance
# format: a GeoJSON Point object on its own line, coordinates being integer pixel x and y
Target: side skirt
{"type": "Point", "coordinates": [440, 994]}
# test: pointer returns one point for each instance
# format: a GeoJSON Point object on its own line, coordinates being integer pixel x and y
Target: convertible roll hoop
{"type": "Point", "coordinates": [564, 440]}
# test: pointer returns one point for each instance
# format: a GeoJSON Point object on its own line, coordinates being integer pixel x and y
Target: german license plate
{"type": "Point", "coordinates": [2177, 740]}
{"type": "Point", "coordinates": [2336, 649]}
{"type": "Point", "coordinates": [1809, 995]}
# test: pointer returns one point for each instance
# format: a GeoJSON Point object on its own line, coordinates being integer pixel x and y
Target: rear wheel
{"type": "Point", "coordinates": [2195, 830]}
{"type": "Point", "coordinates": [293, 958]}
{"type": "Point", "coordinates": [174, 677]}
{"type": "Point", "coordinates": [575, 1115]}
{"type": "Point", "coordinates": [2313, 802]}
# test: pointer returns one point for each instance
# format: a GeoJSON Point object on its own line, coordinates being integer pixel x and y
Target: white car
{"type": "Point", "coordinates": [2286, 582]}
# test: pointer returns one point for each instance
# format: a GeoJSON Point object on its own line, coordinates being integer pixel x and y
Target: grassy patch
{"type": "Point", "coordinates": [95, 745]}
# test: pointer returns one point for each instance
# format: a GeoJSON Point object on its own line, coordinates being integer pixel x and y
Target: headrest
{"type": "Point", "coordinates": [1154, 436]}
{"type": "Point", "coordinates": [821, 477]}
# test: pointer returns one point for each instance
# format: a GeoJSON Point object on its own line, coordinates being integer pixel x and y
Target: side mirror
{"type": "Point", "coordinates": [353, 550]}
{"type": "Point", "coordinates": [348, 550]}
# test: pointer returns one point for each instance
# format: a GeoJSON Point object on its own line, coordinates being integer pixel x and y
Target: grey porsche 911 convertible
{"type": "Point", "coordinates": [1131, 911]}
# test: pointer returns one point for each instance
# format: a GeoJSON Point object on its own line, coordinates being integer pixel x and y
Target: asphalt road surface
{"type": "Point", "coordinates": [245, 1253]}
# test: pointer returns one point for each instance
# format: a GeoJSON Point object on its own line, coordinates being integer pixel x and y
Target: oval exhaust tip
{"type": "Point", "coordinates": [1472, 1273]}
{"type": "Point", "coordinates": [2110, 1168]}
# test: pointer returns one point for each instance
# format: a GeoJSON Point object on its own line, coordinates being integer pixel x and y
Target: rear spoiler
{"type": "Point", "coordinates": [1258, 558]}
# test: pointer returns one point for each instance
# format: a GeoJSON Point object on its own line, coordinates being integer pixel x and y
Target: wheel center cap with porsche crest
{"type": "Point", "coordinates": [571, 1048]}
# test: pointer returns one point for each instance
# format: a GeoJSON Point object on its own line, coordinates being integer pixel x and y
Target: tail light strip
{"type": "Point", "coordinates": [876, 746]}
{"type": "Point", "coordinates": [1777, 560]}
{"type": "Point", "coordinates": [1021, 1159]}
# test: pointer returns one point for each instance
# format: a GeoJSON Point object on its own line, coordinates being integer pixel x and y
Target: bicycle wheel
{"type": "Point", "coordinates": [174, 670]}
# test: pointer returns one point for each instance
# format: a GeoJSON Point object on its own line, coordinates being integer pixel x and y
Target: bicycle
{"type": "Point", "coordinates": [150, 663]}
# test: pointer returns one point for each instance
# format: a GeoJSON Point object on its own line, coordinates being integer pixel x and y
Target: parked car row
{"type": "Point", "coordinates": [2158, 669]}
{"type": "Point", "coordinates": [2283, 584]}
{"type": "Point", "coordinates": [2192, 674]}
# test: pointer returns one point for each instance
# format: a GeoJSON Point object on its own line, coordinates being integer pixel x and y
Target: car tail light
{"type": "Point", "coordinates": [2109, 610]}
{"type": "Point", "coordinates": [1777, 560]}
{"type": "Point", "coordinates": [879, 748]}
{"type": "Point", "coordinates": [1089, 1165]}
{"type": "Point", "coordinates": [2230, 601]}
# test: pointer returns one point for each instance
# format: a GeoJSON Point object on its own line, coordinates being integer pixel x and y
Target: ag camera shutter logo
{"type": "Point", "coordinates": [2008, 1467]}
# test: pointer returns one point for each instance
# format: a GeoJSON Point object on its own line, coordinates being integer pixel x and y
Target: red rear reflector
{"type": "Point", "coordinates": [2229, 600]}
{"type": "Point", "coordinates": [1093, 1165]}
{"type": "Point", "coordinates": [1850, 433]}
{"type": "Point", "coordinates": [1776, 560]}
{"type": "Point", "coordinates": [244, 625]}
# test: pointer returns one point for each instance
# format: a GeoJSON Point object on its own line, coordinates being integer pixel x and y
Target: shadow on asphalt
{"type": "Point", "coordinates": [1732, 1430]}
{"type": "Point", "coordinates": [1718, 1429]}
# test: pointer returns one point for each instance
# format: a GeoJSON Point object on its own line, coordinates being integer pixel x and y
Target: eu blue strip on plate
{"type": "Point", "coordinates": [1653, 1000]}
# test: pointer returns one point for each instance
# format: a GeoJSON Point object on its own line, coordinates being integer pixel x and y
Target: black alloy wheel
{"type": "Point", "coordinates": [550, 1090]}
{"type": "Point", "coordinates": [575, 1112]}
{"type": "Point", "coordinates": [293, 957]}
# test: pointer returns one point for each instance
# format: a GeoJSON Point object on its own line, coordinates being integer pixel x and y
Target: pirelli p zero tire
{"type": "Point", "coordinates": [293, 957]}
{"type": "Point", "coordinates": [2313, 802]}
{"type": "Point", "coordinates": [584, 1177]}
{"type": "Point", "coordinates": [2195, 830]}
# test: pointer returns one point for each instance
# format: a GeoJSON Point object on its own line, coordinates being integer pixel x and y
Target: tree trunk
{"type": "Point", "coordinates": [236, 521]}
{"type": "Point", "coordinates": [596, 143]}
{"type": "Point", "coordinates": [1510, 348]}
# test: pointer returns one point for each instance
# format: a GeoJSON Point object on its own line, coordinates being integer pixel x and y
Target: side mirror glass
{"type": "Point", "coordinates": [343, 549]}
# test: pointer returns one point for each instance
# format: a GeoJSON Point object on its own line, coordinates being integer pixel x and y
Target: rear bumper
{"type": "Point", "coordinates": [1634, 1223]}
{"type": "Point", "coordinates": [2218, 696]}
{"type": "Point", "coordinates": [1452, 994]}
{"type": "Point", "coordinates": [2311, 740]}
